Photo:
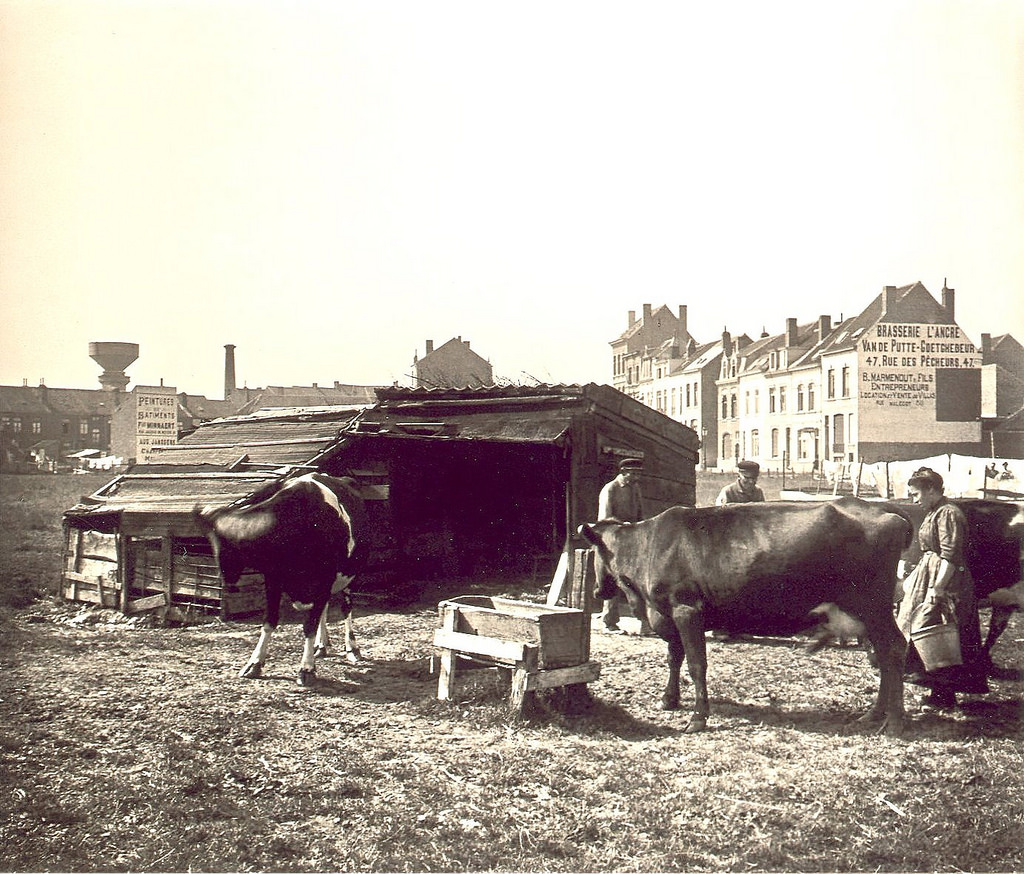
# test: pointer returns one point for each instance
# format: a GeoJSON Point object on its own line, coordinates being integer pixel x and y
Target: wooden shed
{"type": "Point", "coordinates": [460, 483]}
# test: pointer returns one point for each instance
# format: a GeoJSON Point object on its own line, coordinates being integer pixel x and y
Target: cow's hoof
{"type": "Point", "coordinates": [252, 671]}
{"type": "Point", "coordinates": [306, 677]}
{"type": "Point", "coordinates": [353, 655]}
{"type": "Point", "coordinates": [669, 703]}
{"type": "Point", "coordinates": [696, 723]}
{"type": "Point", "coordinates": [320, 652]}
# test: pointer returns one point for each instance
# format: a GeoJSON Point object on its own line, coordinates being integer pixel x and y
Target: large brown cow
{"type": "Point", "coordinates": [759, 569]}
{"type": "Point", "coordinates": [306, 536]}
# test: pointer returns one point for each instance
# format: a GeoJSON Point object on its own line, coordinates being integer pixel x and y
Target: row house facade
{"type": "Point", "coordinates": [39, 423]}
{"type": "Point", "coordinates": [643, 353]}
{"type": "Point", "coordinates": [659, 363]}
{"type": "Point", "coordinates": [900, 380]}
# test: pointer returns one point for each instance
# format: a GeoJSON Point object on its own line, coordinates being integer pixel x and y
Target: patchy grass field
{"type": "Point", "coordinates": [127, 747]}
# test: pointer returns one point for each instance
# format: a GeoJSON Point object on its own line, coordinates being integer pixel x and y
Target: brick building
{"type": "Point", "coordinates": [451, 365]}
{"type": "Point", "coordinates": [57, 421]}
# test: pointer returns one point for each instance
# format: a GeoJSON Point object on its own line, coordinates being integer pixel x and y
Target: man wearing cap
{"type": "Point", "coordinates": [745, 490]}
{"type": "Point", "coordinates": [621, 500]}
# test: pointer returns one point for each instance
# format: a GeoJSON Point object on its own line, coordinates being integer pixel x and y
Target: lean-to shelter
{"type": "Point", "coordinates": [460, 484]}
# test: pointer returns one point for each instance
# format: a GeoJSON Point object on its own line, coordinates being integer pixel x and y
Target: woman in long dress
{"type": "Point", "coordinates": [942, 582]}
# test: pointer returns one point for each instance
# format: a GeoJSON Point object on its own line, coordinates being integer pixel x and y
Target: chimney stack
{"type": "Point", "coordinates": [647, 315]}
{"type": "Point", "coordinates": [229, 370]}
{"type": "Point", "coordinates": [632, 318]}
{"type": "Point", "coordinates": [726, 343]}
{"type": "Point", "coordinates": [889, 301]}
{"type": "Point", "coordinates": [824, 327]}
{"type": "Point", "coordinates": [430, 346]}
{"type": "Point", "coordinates": [684, 331]}
{"type": "Point", "coordinates": [791, 332]}
{"type": "Point", "coordinates": [949, 301]}
{"type": "Point", "coordinates": [986, 349]}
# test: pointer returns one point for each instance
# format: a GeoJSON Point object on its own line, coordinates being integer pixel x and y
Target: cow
{"type": "Point", "coordinates": [307, 537]}
{"type": "Point", "coordinates": [760, 569]}
{"type": "Point", "coordinates": [994, 554]}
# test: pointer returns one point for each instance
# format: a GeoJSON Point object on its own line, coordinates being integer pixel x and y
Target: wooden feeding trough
{"type": "Point", "coordinates": [544, 646]}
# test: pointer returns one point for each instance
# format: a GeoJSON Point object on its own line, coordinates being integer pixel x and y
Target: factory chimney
{"type": "Point", "coordinates": [229, 370]}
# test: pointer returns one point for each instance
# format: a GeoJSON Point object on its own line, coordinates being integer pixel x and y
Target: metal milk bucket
{"type": "Point", "coordinates": [938, 645]}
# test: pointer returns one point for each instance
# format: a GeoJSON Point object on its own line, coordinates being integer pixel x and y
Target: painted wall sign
{"type": "Point", "coordinates": [156, 422]}
{"type": "Point", "coordinates": [898, 366]}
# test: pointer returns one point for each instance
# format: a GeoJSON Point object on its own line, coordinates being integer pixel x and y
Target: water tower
{"type": "Point", "coordinates": [113, 358]}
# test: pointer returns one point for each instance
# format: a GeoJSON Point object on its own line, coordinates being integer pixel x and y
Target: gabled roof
{"type": "Point", "coordinates": [454, 345]}
{"type": "Point", "coordinates": [703, 355]}
{"type": "Point", "coordinates": [638, 325]}
{"type": "Point", "coordinates": [913, 303]}
{"type": "Point", "coordinates": [43, 400]}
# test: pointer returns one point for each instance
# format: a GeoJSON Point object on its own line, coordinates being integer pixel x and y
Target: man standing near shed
{"type": "Point", "coordinates": [622, 501]}
{"type": "Point", "coordinates": [745, 490]}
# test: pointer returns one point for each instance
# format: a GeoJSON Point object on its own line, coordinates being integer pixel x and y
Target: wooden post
{"type": "Point", "coordinates": [520, 676]}
{"type": "Point", "coordinates": [122, 576]}
{"type": "Point", "coordinates": [446, 676]}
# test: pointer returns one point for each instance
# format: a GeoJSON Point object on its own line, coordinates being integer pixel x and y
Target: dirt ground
{"type": "Point", "coordinates": [127, 747]}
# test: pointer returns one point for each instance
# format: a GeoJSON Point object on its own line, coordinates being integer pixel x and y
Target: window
{"type": "Point", "coordinates": [16, 426]}
{"type": "Point", "coordinates": [726, 445]}
{"type": "Point", "coordinates": [775, 442]}
{"type": "Point", "coordinates": [831, 383]}
{"type": "Point", "coordinates": [37, 426]}
{"type": "Point", "coordinates": [800, 398]}
{"type": "Point", "coordinates": [725, 406]}
{"type": "Point", "coordinates": [846, 381]}
{"type": "Point", "coordinates": [771, 400]}
{"type": "Point", "coordinates": [805, 444]}
{"type": "Point", "coordinates": [782, 399]}
{"type": "Point", "coordinates": [757, 400]}
{"type": "Point", "coordinates": [687, 394]}
{"type": "Point", "coordinates": [755, 443]}
{"type": "Point", "coordinates": [746, 404]}
{"type": "Point", "coordinates": [673, 400]}
{"type": "Point", "coordinates": [810, 396]}
{"type": "Point", "coordinates": [733, 409]}
{"type": "Point", "coordinates": [695, 394]}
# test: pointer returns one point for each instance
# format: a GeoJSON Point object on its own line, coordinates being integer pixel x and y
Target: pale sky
{"type": "Point", "coordinates": [327, 185]}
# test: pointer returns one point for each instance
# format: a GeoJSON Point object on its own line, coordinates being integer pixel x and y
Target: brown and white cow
{"type": "Point", "coordinates": [306, 536]}
{"type": "Point", "coordinates": [759, 569]}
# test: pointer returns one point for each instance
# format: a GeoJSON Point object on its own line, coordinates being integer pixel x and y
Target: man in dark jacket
{"type": "Point", "coordinates": [745, 490]}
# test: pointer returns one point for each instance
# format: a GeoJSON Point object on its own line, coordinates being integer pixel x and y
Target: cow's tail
{"type": "Point", "coordinates": [203, 517]}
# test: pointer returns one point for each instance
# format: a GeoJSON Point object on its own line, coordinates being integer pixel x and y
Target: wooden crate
{"type": "Point", "coordinates": [560, 634]}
